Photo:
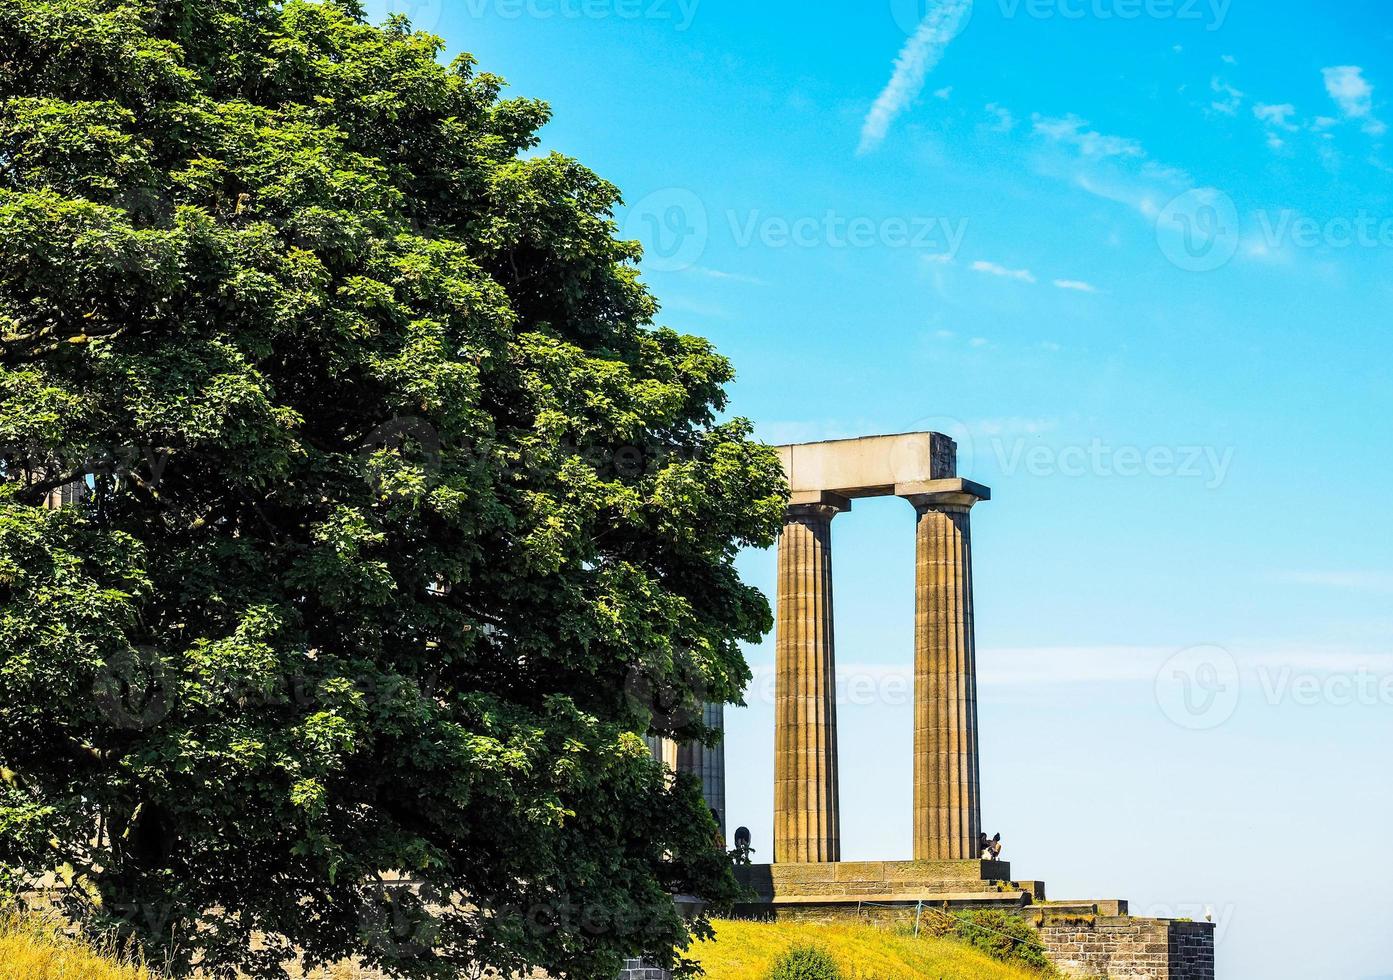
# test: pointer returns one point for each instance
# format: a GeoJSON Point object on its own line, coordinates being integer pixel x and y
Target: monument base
{"type": "Point", "coordinates": [1082, 938]}
{"type": "Point", "coordinates": [794, 885]}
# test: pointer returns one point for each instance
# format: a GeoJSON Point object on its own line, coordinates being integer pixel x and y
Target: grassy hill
{"type": "Point", "coordinates": [746, 951]}
{"type": "Point", "coordinates": [32, 950]}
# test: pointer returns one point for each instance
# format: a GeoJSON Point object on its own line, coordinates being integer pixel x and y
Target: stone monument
{"type": "Point", "coordinates": [807, 877]}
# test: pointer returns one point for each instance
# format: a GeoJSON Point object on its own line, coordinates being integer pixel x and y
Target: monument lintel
{"type": "Point", "coordinates": [819, 498]}
{"type": "Point", "coordinates": [872, 466]}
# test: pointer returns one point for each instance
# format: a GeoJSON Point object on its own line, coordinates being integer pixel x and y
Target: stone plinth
{"type": "Point", "coordinates": [806, 821]}
{"type": "Point", "coordinates": [871, 880]}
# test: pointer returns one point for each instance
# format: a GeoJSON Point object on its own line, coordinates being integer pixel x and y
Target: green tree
{"type": "Point", "coordinates": [404, 521]}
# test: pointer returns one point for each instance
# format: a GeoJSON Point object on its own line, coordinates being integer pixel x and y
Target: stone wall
{"type": "Point", "coordinates": [1124, 948]}
{"type": "Point", "coordinates": [1192, 951]}
{"type": "Point", "coordinates": [639, 970]}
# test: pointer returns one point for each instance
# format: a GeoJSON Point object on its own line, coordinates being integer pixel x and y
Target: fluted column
{"type": "Point", "coordinates": [947, 794]}
{"type": "Point", "coordinates": [708, 764]}
{"type": "Point", "coordinates": [806, 822]}
{"type": "Point", "coordinates": [663, 750]}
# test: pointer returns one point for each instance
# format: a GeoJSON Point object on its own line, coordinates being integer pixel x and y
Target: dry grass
{"type": "Point", "coordinates": [747, 950]}
{"type": "Point", "coordinates": [35, 949]}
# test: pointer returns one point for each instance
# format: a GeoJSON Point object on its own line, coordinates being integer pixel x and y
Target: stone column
{"type": "Point", "coordinates": [663, 750]}
{"type": "Point", "coordinates": [806, 823]}
{"type": "Point", "coordinates": [947, 797]}
{"type": "Point", "coordinates": [709, 764]}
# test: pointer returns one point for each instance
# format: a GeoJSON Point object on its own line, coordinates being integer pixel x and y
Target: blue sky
{"type": "Point", "coordinates": [1135, 255]}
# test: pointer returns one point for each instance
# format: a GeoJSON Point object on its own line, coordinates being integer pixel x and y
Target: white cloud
{"type": "Point", "coordinates": [1258, 664]}
{"type": "Point", "coordinates": [1381, 582]}
{"type": "Point", "coordinates": [1231, 99]}
{"type": "Point", "coordinates": [979, 342]}
{"type": "Point", "coordinates": [727, 276]}
{"type": "Point", "coordinates": [1073, 131]}
{"type": "Point", "coordinates": [917, 58]}
{"type": "Point", "coordinates": [1005, 122]}
{"type": "Point", "coordinates": [1152, 170]}
{"type": "Point", "coordinates": [1354, 95]}
{"type": "Point", "coordinates": [939, 258]}
{"type": "Point", "coordinates": [1229, 59]}
{"type": "Point", "coordinates": [944, 93]}
{"type": "Point", "coordinates": [1114, 168]}
{"type": "Point", "coordinates": [1278, 116]}
{"type": "Point", "coordinates": [1078, 285]}
{"type": "Point", "coordinates": [1277, 119]}
{"type": "Point", "coordinates": [1010, 426]}
{"type": "Point", "coordinates": [991, 268]}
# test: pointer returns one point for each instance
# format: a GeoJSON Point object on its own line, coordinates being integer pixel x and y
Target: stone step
{"type": "Point", "coordinates": [1107, 907]}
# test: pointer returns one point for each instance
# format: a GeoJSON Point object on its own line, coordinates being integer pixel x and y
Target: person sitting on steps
{"type": "Point", "coordinates": [990, 848]}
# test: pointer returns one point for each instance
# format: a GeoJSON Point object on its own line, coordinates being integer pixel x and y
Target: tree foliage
{"type": "Point", "coordinates": [404, 521]}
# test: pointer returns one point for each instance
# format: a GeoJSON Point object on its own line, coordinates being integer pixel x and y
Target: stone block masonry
{"type": "Point", "coordinates": [639, 970]}
{"type": "Point", "coordinates": [1124, 948]}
